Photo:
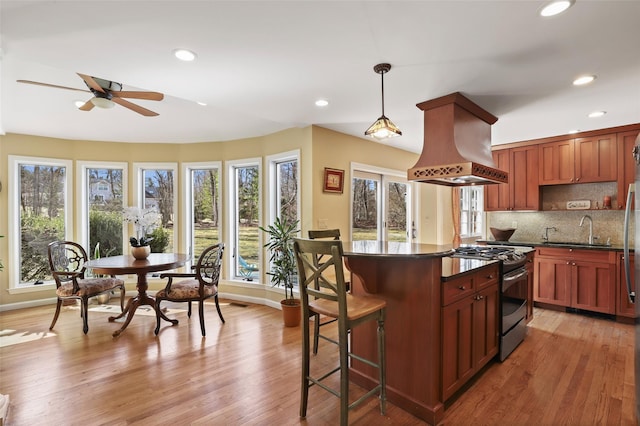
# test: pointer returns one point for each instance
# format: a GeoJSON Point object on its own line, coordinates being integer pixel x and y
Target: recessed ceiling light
{"type": "Point", "coordinates": [201, 103]}
{"type": "Point", "coordinates": [184, 55]}
{"type": "Point", "coordinates": [322, 102]}
{"type": "Point", "coordinates": [583, 79]}
{"type": "Point", "coordinates": [556, 7]}
{"type": "Point", "coordinates": [573, 131]}
{"type": "Point", "coordinates": [596, 114]}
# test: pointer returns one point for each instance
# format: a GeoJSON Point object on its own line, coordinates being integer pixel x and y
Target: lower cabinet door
{"type": "Point", "coordinates": [552, 281]}
{"type": "Point", "coordinates": [594, 287]}
{"type": "Point", "coordinates": [470, 338]}
{"type": "Point", "coordinates": [457, 345]}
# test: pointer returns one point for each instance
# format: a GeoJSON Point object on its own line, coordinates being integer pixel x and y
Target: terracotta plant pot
{"type": "Point", "coordinates": [291, 312]}
{"type": "Point", "coordinates": [140, 253]}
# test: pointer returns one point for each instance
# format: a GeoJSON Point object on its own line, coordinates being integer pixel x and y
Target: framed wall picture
{"type": "Point", "coordinates": [333, 180]}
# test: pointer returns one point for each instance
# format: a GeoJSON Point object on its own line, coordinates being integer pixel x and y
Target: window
{"type": "Point", "coordinates": [471, 210]}
{"type": "Point", "coordinates": [40, 210]}
{"type": "Point", "coordinates": [244, 218]}
{"type": "Point", "coordinates": [284, 201]}
{"type": "Point", "coordinates": [155, 188]}
{"type": "Point", "coordinates": [202, 206]}
{"type": "Point", "coordinates": [103, 189]}
{"type": "Point", "coordinates": [380, 205]}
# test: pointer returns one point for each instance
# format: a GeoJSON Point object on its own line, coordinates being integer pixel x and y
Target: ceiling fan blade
{"type": "Point", "coordinates": [134, 107]}
{"type": "Point", "coordinates": [91, 82]}
{"type": "Point", "coordinates": [51, 85]}
{"type": "Point", "coordinates": [88, 106]}
{"type": "Point", "coordinates": [151, 96]}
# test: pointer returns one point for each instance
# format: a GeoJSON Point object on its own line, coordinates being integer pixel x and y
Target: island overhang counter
{"type": "Point", "coordinates": [408, 276]}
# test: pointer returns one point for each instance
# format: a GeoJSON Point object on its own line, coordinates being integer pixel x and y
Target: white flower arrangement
{"type": "Point", "coordinates": [144, 221]}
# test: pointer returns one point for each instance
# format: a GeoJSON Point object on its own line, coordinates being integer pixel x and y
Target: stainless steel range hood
{"type": "Point", "coordinates": [457, 144]}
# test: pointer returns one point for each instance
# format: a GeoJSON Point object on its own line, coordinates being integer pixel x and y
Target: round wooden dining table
{"type": "Point", "coordinates": [127, 264]}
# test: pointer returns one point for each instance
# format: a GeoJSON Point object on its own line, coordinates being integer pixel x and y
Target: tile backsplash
{"type": "Point", "coordinates": [607, 223]}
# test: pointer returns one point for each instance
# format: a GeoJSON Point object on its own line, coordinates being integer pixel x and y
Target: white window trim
{"type": "Point", "coordinates": [82, 167]}
{"type": "Point", "coordinates": [13, 261]}
{"type": "Point", "coordinates": [483, 216]}
{"type": "Point", "coordinates": [186, 200]}
{"type": "Point", "coordinates": [138, 196]}
{"type": "Point", "coordinates": [230, 223]}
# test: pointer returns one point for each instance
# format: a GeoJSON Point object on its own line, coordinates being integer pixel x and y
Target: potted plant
{"type": "Point", "coordinates": [144, 221]}
{"type": "Point", "coordinates": [283, 266]}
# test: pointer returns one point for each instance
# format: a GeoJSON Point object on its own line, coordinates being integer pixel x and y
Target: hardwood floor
{"type": "Point", "coordinates": [571, 369]}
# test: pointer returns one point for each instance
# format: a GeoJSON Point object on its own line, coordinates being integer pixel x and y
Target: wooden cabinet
{"type": "Point", "coordinates": [580, 160]}
{"type": "Point", "coordinates": [581, 279]}
{"type": "Point", "coordinates": [627, 165]}
{"type": "Point", "coordinates": [530, 280]}
{"type": "Point", "coordinates": [470, 326]}
{"type": "Point", "coordinates": [625, 308]}
{"type": "Point", "coordinates": [522, 192]}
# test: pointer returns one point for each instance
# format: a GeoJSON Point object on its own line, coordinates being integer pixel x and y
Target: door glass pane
{"type": "Point", "coordinates": [365, 209]}
{"type": "Point", "coordinates": [247, 214]}
{"type": "Point", "coordinates": [42, 215]}
{"type": "Point", "coordinates": [104, 187]}
{"type": "Point", "coordinates": [205, 217]}
{"type": "Point", "coordinates": [397, 212]}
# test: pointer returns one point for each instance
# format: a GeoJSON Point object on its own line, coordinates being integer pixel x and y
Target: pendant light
{"type": "Point", "coordinates": [383, 128]}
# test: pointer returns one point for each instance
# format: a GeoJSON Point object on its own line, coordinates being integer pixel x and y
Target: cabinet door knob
{"type": "Point", "coordinates": [462, 287]}
{"type": "Point", "coordinates": [490, 276]}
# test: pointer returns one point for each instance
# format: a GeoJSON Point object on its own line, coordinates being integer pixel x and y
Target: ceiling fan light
{"type": "Point", "coordinates": [102, 103]}
{"type": "Point", "coordinates": [383, 128]}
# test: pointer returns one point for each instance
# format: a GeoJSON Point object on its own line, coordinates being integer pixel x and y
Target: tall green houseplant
{"type": "Point", "coordinates": [282, 259]}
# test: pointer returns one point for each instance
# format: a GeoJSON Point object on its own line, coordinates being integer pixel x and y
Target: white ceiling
{"type": "Point", "coordinates": [262, 64]}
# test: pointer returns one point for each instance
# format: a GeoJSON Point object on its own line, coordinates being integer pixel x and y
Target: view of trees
{"type": "Point", "coordinates": [105, 211]}
{"type": "Point", "coordinates": [42, 212]}
{"type": "Point", "coordinates": [206, 216]}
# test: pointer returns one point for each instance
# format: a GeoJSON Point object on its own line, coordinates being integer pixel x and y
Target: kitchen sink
{"type": "Point", "coordinates": [574, 244]}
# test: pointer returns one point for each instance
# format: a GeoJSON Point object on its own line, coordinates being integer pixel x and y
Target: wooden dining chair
{"type": "Point", "coordinates": [194, 287]}
{"type": "Point", "coordinates": [66, 261]}
{"type": "Point", "coordinates": [322, 234]}
{"type": "Point", "coordinates": [332, 300]}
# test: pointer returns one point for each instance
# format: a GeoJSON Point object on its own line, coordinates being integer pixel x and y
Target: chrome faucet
{"type": "Point", "coordinates": [545, 236]}
{"type": "Point", "coordinates": [586, 216]}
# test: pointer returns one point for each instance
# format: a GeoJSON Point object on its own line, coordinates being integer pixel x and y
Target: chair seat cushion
{"type": "Point", "coordinates": [357, 306]}
{"type": "Point", "coordinates": [188, 289]}
{"type": "Point", "coordinates": [89, 286]}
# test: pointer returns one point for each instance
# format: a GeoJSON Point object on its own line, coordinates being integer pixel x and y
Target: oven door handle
{"type": "Point", "coordinates": [510, 277]}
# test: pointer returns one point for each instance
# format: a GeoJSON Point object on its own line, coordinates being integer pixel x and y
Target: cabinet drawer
{"type": "Point", "coordinates": [605, 256]}
{"type": "Point", "coordinates": [487, 276]}
{"type": "Point", "coordinates": [457, 289]}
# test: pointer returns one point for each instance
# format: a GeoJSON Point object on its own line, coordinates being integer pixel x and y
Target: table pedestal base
{"type": "Point", "coordinates": [141, 299]}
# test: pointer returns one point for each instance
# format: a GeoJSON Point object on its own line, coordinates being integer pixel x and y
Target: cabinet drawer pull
{"type": "Point", "coordinates": [490, 276]}
{"type": "Point", "coordinates": [462, 287]}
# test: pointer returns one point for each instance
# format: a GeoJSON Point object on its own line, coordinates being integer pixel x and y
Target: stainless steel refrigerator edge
{"type": "Point", "coordinates": [633, 194]}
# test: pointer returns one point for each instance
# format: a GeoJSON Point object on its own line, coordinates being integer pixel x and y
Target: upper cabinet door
{"type": "Point", "coordinates": [523, 178]}
{"type": "Point", "coordinates": [626, 166]}
{"type": "Point", "coordinates": [556, 163]}
{"type": "Point", "coordinates": [596, 159]}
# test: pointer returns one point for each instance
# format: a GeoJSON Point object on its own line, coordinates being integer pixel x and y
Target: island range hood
{"type": "Point", "coordinates": [457, 144]}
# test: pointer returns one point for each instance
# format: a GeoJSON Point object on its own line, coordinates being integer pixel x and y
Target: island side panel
{"type": "Point", "coordinates": [411, 287]}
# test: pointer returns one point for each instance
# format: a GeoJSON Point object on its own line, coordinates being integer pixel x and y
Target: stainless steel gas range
{"type": "Point", "coordinates": [513, 294]}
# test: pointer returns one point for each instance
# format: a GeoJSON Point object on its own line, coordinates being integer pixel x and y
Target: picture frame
{"type": "Point", "coordinates": [333, 180]}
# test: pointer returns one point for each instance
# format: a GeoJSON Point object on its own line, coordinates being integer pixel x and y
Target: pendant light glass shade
{"type": "Point", "coordinates": [383, 128]}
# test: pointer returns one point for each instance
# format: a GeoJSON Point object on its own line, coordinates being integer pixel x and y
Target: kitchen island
{"type": "Point", "coordinates": [408, 276]}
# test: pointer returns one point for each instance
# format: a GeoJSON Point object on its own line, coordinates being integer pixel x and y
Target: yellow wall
{"type": "Point", "coordinates": [319, 148]}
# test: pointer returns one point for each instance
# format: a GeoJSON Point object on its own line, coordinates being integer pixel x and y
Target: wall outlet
{"type": "Point", "coordinates": [514, 224]}
{"type": "Point", "coordinates": [323, 223]}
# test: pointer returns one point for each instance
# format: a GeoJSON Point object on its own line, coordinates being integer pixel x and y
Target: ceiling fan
{"type": "Point", "coordinates": [107, 92]}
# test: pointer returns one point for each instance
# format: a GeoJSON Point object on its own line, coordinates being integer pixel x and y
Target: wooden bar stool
{"type": "Point", "coordinates": [322, 234]}
{"type": "Point", "coordinates": [332, 300]}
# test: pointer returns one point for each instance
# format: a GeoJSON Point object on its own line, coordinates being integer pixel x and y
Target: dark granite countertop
{"type": "Point", "coordinates": [454, 266]}
{"type": "Point", "coordinates": [394, 249]}
{"type": "Point", "coordinates": [562, 244]}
